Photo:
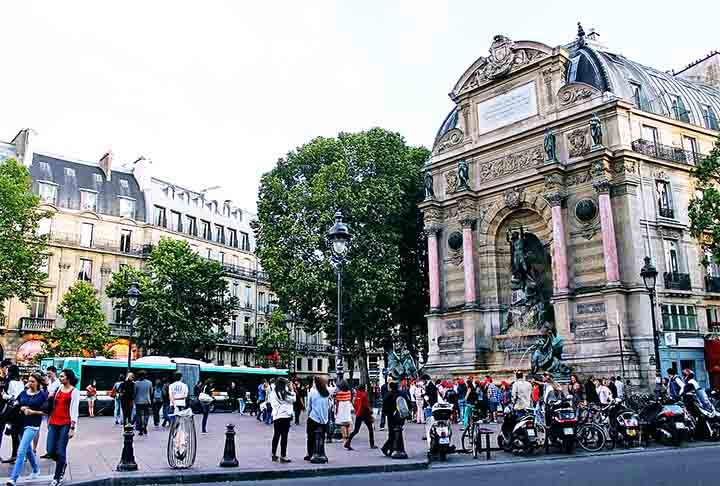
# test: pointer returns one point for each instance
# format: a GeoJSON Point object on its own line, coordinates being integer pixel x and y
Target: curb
{"type": "Point", "coordinates": [184, 476]}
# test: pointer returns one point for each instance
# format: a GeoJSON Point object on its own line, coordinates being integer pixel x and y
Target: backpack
{"type": "Point", "coordinates": [402, 407]}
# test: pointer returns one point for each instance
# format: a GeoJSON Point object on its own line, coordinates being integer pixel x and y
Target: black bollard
{"type": "Point", "coordinates": [398, 441]}
{"type": "Point", "coordinates": [319, 456]}
{"type": "Point", "coordinates": [127, 458]}
{"type": "Point", "coordinates": [229, 458]}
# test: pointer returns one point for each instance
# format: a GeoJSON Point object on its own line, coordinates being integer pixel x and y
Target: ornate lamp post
{"type": "Point", "coordinates": [649, 275]}
{"type": "Point", "coordinates": [133, 295]}
{"type": "Point", "coordinates": [339, 237]}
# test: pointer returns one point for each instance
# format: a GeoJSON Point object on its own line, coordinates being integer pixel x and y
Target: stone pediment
{"type": "Point", "coordinates": [505, 57]}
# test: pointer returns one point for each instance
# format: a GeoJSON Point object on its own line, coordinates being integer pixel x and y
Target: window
{"type": "Point", "coordinates": [712, 267]}
{"type": "Point", "coordinates": [88, 201]}
{"type": "Point", "coordinates": [691, 146]}
{"type": "Point", "coordinates": [310, 364]}
{"type": "Point", "coordinates": [679, 112]}
{"type": "Point", "coordinates": [48, 192]}
{"type": "Point", "coordinates": [636, 94]}
{"type": "Point", "coordinates": [665, 207]}
{"type": "Point", "coordinates": [235, 289]}
{"type": "Point", "coordinates": [45, 265]}
{"type": "Point", "coordinates": [175, 221]}
{"type": "Point", "coordinates": [118, 315]}
{"type": "Point", "coordinates": [124, 183]}
{"type": "Point", "coordinates": [245, 241]}
{"type": "Point", "coordinates": [219, 234]}
{"type": "Point", "coordinates": [221, 258]}
{"type": "Point", "coordinates": [248, 297]}
{"type": "Point", "coordinates": [232, 238]}
{"type": "Point", "coordinates": [261, 302]}
{"type": "Point", "coordinates": [671, 256]}
{"type": "Point", "coordinates": [44, 226]}
{"type": "Point", "coordinates": [85, 272]}
{"type": "Point", "coordinates": [709, 118]}
{"type": "Point", "coordinates": [713, 318]}
{"type": "Point", "coordinates": [678, 317]}
{"type": "Point", "coordinates": [650, 134]}
{"type": "Point", "coordinates": [86, 234]}
{"type": "Point", "coordinates": [125, 238]}
{"type": "Point", "coordinates": [206, 234]}
{"type": "Point", "coordinates": [687, 364]}
{"type": "Point", "coordinates": [127, 208]}
{"type": "Point", "coordinates": [69, 173]}
{"type": "Point", "coordinates": [331, 364]}
{"type": "Point", "coordinates": [191, 225]}
{"type": "Point", "coordinates": [208, 253]}
{"type": "Point", "coordinates": [235, 261]}
{"type": "Point", "coordinates": [160, 217]}
{"type": "Point", "coordinates": [298, 364]}
{"type": "Point", "coordinates": [38, 306]}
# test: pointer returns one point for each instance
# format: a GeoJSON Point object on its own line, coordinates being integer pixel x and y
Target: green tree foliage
{"type": "Point", "coordinates": [21, 249]}
{"type": "Point", "coordinates": [86, 331]}
{"type": "Point", "coordinates": [275, 346]}
{"type": "Point", "coordinates": [704, 210]}
{"type": "Point", "coordinates": [184, 304]}
{"type": "Point", "coordinates": [375, 179]}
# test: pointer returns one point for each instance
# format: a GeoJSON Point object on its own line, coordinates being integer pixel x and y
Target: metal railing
{"type": "Point", "coordinates": [97, 244]}
{"type": "Point", "coordinates": [677, 281]}
{"type": "Point", "coordinates": [666, 152]}
{"type": "Point", "coordinates": [712, 284]}
{"type": "Point", "coordinates": [241, 340]}
{"type": "Point", "coordinates": [239, 271]}
{"type": "Point", "coordinates": [36, 324]}
{"type": "Point", "coordinates": [666, 213]}
{"type": "Point", "coordinates": [119, 329]}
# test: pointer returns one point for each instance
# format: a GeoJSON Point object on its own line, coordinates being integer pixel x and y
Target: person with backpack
{"type": "Point", "coordinates": [396, 409]}
{"type": "Point", "coordinates": [115, 394]}
{"type": "Point", "coordinates": [675, 384]}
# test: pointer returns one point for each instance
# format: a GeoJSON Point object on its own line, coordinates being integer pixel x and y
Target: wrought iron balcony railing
{"type": "Point", "coordinates": [666, 213]}
{"type": "Point", "coordinates": [75, 240]}
{"type": "Point", "coordinates": [712, 284]}
{"type": "Point", "coordinates": [677, 281]}
{"type": "Point", "coordinates": [241, 340]}
{"type": "Point", "coordinates": [666, 152]}
{"type": "Point", "coordinates": [119, 329]}
{"type": "Point", "coordinates": [36, 324]}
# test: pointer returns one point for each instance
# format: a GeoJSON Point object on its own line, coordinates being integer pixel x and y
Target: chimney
{"type": "Point", "coordinates": [143, 174]}
{"type": "Point", "coordinates": [24, 142]}
{"type": "Point", "coordinates": [106, 164]}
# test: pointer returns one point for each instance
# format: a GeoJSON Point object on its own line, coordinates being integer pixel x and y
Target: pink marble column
{"type": "Point", "coordinates": [469, 262]}
{"type": "Point", "coordinates": [560, 262]}
{"type": "Point", "coordinates": [433, 267]}
{"type": "Point", "coordinates": [612, 274]}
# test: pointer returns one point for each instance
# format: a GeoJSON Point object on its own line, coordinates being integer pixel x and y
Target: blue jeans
{"type": "Point", "coordinates": [118, 411]}
{"type": "Point", "coordinates": [166, 412]}
{"type": "Point", "coordinates": [241, 405]}
{"type": "Point", "coordinates": [24, 451]}
{"type": "Point", "coordinates": [57, 442]}
{"type": "Point", "coordinates": [267, 417]}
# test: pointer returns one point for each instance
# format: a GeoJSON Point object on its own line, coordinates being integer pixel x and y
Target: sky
{"type": "Point", "coordinates": [214, 92]}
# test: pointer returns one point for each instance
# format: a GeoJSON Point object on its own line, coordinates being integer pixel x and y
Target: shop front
{"type": "Point", "coordinates": [684, 352]}
{"type": "Point", "coordinates": [712, 358]}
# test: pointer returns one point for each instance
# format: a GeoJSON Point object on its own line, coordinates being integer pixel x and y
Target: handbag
{"type": "Point", "coordinates": [205, 398]}
{"type": "Point", "coordinates": [49, 405]}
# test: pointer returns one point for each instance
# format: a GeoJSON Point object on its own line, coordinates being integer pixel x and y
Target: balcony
{"type": "Point", "coordinates": [666, 152]}
{"type": "Point", "coordinates": [240, 340]}
{"type": "Point", "coordinates": [714, 327]}
{"type": "Point", "coordinates": [712, 284]}
{"type": "Point", "coordinates": [666, 213]}
{"type": "Point", "coordinates": [238, 271]}
{"type": "Point", "coordinates": [313, 348]}
{"type": "Point", "coordinates": [36, 324]}
{"type": "Point", "coordinates": [74, 240]}
{"type": "Point", "coordinates": [119, 330]}
{"type": "Point", "coordinates": [677, 281]}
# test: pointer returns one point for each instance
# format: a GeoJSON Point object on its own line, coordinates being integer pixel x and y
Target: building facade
{"type": "Point", "coordinates": [103, 217]}
{"type": "Point", "coordinates": [556, 173]}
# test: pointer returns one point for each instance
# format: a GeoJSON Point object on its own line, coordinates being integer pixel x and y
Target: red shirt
{"type": "Point", "coordinates": [362, 404]}
{"type": "Point", "coordinates": [61, 410]}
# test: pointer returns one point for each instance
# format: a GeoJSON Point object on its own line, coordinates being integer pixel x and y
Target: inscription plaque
{"type": "Point", "coordinates": [515, 105]}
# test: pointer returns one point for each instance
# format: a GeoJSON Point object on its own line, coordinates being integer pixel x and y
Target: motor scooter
{"type": "Point", "coordinates": [518, 432]}
{"type": "Point", "coordinates": [562, 425]}
{"type": "Point", "coordinates": [665, 421]}
{"type": "Point", "coordinates": [704, 415]}
{"type": "Point", "coordinates": [439, 434]}
{"type": "Point", "coordinates": [623, 424]}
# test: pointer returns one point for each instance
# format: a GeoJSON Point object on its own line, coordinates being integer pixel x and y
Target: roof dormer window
{"type": "Point", "coordinates": [679, 112]}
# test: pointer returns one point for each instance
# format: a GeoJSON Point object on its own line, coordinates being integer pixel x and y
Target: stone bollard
{"type": "Point", "coordinates": [127, 457]}
{"type": "Point", "coordinates": [229, 458]}
{"type": "Point", "coordinates": [398, 441]}
{"type": "Point", "coordinates": [319, 456]}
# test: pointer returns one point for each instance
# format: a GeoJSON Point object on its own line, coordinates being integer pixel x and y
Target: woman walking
{"type": "Point", "coordinates": [31, 402]}
{"type": "Point", "coordinates": [363, 415]}
{"type": "Point", "coordinates": [15, 387]}
{"type": "Point", "coordinates": [318, 412]}
{"type": "Point", "coordinates": [204, 394]}
{"type": "Point", "coordinates": [127, 398]}
{"type": "Point", "coordinates": [343, 409]}
{"type": "Point", "coordinates": [62, 422]}
{"type": "Point", "coordinates": [91, 394]}
{"type": "Point", "coordinates": [282, 399]}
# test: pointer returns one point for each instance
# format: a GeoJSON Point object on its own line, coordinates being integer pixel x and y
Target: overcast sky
{"type": "Point", "coordinates": [215, 91]}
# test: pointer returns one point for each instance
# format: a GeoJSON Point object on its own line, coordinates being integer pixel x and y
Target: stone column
{"type": "Point", "coordinates": [560, 261]}
{"type": "Point", "coordinates": [469, 261]}
{"type": "Point", "coordinates": [433, 266]}
{"type": "Point", "coordinates": [607, 225]}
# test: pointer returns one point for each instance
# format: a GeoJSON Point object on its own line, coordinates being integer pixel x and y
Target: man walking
{"type": "Point", "coordinates": [494, 397]}
{"type": "Point", "coordinates": [178, 392]}
{"type": "Point", "coordinates": [143, 401]}
{"type": "Point", "coordinates": [115, 393]}
{"type": "Point", "coordinates": [384, 390]}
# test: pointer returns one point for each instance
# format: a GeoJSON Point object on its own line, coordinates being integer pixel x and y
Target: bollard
{"type": "Point", "coordinates": [398, 441]}
{"type": "Point", "coordinates": [229, 458]}
{"type": "Point", "coordinates": [127, 457]}
{"type": "Point", "coordinates": [319, 456]}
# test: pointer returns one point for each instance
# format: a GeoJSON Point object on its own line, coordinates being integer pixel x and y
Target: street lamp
{"type": "Point", "coordinates": [339, 237]}
{"type": "Point", "coordinates": [649, 275]}
{"type": "Point", "coordinates": [133, 295]}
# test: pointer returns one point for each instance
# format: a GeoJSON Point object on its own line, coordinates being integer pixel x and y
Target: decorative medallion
{"type": "Point", "coordinates": [512, 198]}
{"type": "Point", "coordinates": [451, 139]}
{"type": "Point", "coordinates": [586, 210]}
{"type": "Point", "coordinates": [455, 240]}
{"type": "Point", "coordinates": [577, 142]}
{"type": "Point", "coordinates": [451, 182]}
{"type": "Point", "coordinates": [576, 92]}
{"type": "Point", "coordinates": [510, 164]}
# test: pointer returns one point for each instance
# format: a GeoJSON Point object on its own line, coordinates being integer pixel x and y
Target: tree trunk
{"type": "Point", "coordinates": [363, 359]}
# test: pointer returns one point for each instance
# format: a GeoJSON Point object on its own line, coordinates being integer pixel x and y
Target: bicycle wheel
{"type": "Point", "coordinates": [476, 441]}
{"type": "Point", "coordinates": [591, 437]}
{"type": "Point", "coordinates": [467, 439]}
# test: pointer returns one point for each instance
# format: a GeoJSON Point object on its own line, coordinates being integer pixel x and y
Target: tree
{"type": "Point", "coordinates": [21, 249]}
{"type": "Point", "coordinates": [375, 179]}
{"type": "Point", "coordinates": [185, 302]}
{"type": "Point", "coordinates": [274, 345]}
{"type": "Point", "coordinates": [704, 209]}
{"type": "Point", "coordinates": [86, 331]}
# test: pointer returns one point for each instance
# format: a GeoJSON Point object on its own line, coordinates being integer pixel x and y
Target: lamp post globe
{"type": "Point", "coordinates": [339, 237]}
{"type": "Point", "coordinates": [133, 296]}
{"type": "Point", "coordinates": [649, 275]}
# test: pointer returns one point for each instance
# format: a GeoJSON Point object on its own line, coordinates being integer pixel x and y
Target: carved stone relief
{"type": "Point", "coordinates": [510, 163]}
{"type": "Point", "coordinates": [554, 181]}
{"type": "Point", "coordinates": [577, 142]}
{"type": "Point", "coordinates": [625, 167]}
{"type": "Point", "coordinates": [451, 139]}
{"type": "Point", "coordinates": [670, 233]}
{"type": "Point", "coordinates": [575, 92]}
{"type": "Point", "coordinates": [589, 329]}
{"type": "Point", "coordinates": [579, 178]}
{"type": "Point", "coordinates": [451, 182]}
{"type": "Point", "coordinates": [512, 198]}
{"type": "Point", "coordinates": [432, 216]}
{"type": "Point", "coordinates": [591, 308]}
{"type": "Point", "coordinates": [598, 168]}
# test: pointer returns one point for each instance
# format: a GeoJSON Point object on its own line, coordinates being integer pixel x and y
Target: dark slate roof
{"type": "Point", "coordinates": [450, 122]}
{"type": "Point", "coordinates": [72, 176]}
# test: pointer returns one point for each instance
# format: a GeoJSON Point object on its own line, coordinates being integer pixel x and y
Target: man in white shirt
{"type": "Point", "coordinates": [620, 386]}
{"type": "Point", "coordinates": [521, 393]}
{"type": "Point", "coordinates": [178, 392]}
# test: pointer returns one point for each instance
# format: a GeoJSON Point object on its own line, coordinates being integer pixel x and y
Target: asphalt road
{"type": "Point", "coordinates": [665, 467]}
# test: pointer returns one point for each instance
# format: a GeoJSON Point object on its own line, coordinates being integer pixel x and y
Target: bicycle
{"type": "Point", "coordinates": [471, 438]}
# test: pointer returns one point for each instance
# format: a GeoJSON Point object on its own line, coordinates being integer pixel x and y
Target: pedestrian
{"type": "Point", "coordinates": [143, 401]}
{"type": "Point", "coordinates": [261, 393]}
{"type": "Point", "coordinates": [591, 394]}
{"type": "Point", "coordinates": [203, 392]}
{"type": "Point", "coordinates": [127, 398]}
{"type": "Point", "coordinates": [620, 387]}
{"type": "Point", "coordinates": [522, 392]}
{"type": "Point", "coordinates": [178, 394]}
{"type": "Point", "coordinates": [14, 387]}
{"type": "Point", "coordinates": [363, 415]}
{"type": "Point", "coordinates": [471, 399]}
{"type": "Point", "coordinates": [282, 398]}
{"type": "Point", "coordinates": [318, 412]}
{"type": "Point", "coordinates": [165, 403]}
{"type": "Point", "coordinates": [576, 390]}
{"type": "Point", "coordinates": [62, 422]}
{"type": "Point", "coordinates": [384, 390]}
{"type": "Point", "coordinates": [675, 385]}
{"type": "Point", "coordinates": [604, 393]}
{"type": "Point", "coordinates": [343, 409]}
{"type": "Point", "coordinates": [242, 400]}
{"type": "Point", "coordinates": [299, 403]}
{"type": "Point", "coordinates": [462, 390]}
{"type": "Point", "coordinates": [395, 420]}
{"type": "Point", "coordinates": [116, 395]}
{"type": "Point", "coordinates": [157, 402]}
{"type": "Point", "coordinates": [232, 394]}
{"type": "Point", "coordinates": [52, 384]}
{"type": "Point", "coordinates": [31, 402]}
{"type": "Point", "coordinates": [494, 397]}
{"type": "Point", "coordinates": [610, 383]}
{"type": "Point", "coordinates": [419, 403]}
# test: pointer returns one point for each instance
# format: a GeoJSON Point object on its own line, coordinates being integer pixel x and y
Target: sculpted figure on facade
{"type": "Point", "coordinates": [463, 174]}
{"type": "Point", "coordinates": [550, 147]}
{"type": "Point", "coordinates": [596, 131]}
{"type": "Point", "coordinates": [428, 183]}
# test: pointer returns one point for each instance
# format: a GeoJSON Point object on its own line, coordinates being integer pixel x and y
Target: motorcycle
{"type": "Point", "coordinates": [562, 425]}
{"type": "Point", "coordinates": [705, 417]}
{"type": "Point", "coordinates": [666, 422]}
{"type": "Point", "coordinates": [624, 424]}
{"type": "Point", "coordinates": [439, 435]}
{"type": "Point", "coordinates": [518, 432]}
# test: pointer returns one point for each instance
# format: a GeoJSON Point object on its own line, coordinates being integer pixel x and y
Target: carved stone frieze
{"type": "Point", "coordinates": [510, 163]}
{"type": "Point", "coordinates": [450, 213]}
{"type": "Point", "coordinates": [670, 233]}
{"type": "Point", "coordinates": [432, 216]}
{"type": "Point", "coordinates": [590, 307]}
{"type": "Point", "coordinates": [589, 329]}
{"type": "Point", "coordinates": [625, 167]}
{"type": "Point", "coordinates": [602, 187]}
{"type": "Point", "coordinates": [467, 207]}
{"type": "Point", "coordinates": [451, 139]}
{"type": "Point", "coordinates": [553, 198]}
{"type": "Point", "coordinates": [451, 182]}
{"type": "Point", "coordinates": [661, 176]}
{"type": "Point", "coordinates": [577, 142]}
{"type": "Point", "coordinates": [598, 168]}
{"type": "Point", "coordinates": [579, 178]}
{"type": "Point", "coordinates": [64, 265]}
{"type": "Point", "coordinates": [575, 92]}
{"type": "Point", "coordinates": [513, 198]}
{"type": "Point", "coordinates": [554, 181]}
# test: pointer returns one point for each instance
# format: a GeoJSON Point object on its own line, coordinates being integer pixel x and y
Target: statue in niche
{"type": "Point", "coordinates": [518, 261]}
{"type": "Point", "coordinates": [463, 173]}
{"type": "Point", "coordinates": [429, 188]}
{"type": "Point", "coordinates": [596, 130]}
{"type": "Point", "coordinates": [549, 146]}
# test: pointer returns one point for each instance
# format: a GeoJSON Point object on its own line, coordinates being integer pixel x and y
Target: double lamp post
{"type": "Point", "coordinates": [339, 237]}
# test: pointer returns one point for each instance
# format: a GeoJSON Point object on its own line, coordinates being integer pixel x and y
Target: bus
{"type": "Point", "coordinates": [105, 373]}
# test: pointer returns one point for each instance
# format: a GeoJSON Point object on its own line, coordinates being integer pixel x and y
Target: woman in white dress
{"type": "Point", "coordinates": [344, 409]}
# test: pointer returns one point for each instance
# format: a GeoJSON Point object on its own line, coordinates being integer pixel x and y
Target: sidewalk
{"type": "Point", "coordinates": [95, 452]}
